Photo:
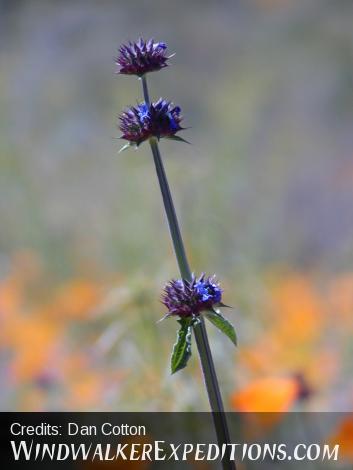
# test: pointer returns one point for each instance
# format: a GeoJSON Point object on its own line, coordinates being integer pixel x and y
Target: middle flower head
{"type": "Point", "coordinates": [159, 119]}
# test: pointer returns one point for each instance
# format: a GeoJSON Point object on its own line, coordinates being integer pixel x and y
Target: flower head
{"type": "Point", "coordinates": [141, 122]}
{"type": "Point", "coordinates": [187, 298]}
{"type": "Point", "coordinates": [138, 58]}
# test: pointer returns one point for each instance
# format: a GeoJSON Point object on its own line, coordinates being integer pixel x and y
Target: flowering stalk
{"type": "Point", "coordinates": [203, 346]}
{"type": "Point", "coordinates": [189, 298]}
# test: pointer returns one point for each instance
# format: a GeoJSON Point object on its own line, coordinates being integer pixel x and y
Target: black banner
{"type": "Point", "coordinates": [95, 441]}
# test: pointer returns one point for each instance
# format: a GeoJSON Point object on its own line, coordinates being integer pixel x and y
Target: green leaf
{"type": "Point", "coordinates": [182, 348]}
{"type": "Point", "coordinates": [167, 315]}
{"type": "Point", "coordinates": [222, 324]}
{"type": "Point", "coordinates": [125, 147]}
{"type": "Point", "coordinates": [177, 139]}
{"type": "Point", "coordinates": [221, 304]}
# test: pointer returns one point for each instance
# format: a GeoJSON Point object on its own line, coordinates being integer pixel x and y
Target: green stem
{"type": "Point", "coordinates": [171, 215]}
{"type": "Point", "coordinates": [203, 346]}
{"type": "Point", "coordinates": [145, 90]}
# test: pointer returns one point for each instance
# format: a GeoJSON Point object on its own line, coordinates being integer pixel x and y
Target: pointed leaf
{"type": "Point", "coordinates": [167, 315]}
{"type": "Point", "coordinates": [222, 324]}
{"type": "Point", "coordinates": [182, 348]}
{"type": "Point", "coordinates": [124, 147]}
{"type": "Point", "coordinates": [221, 304]}
{"type": "Point", "coordinates": [178, 139]}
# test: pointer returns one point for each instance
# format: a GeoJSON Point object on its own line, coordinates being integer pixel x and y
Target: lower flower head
{"type": "Point", "coordinates": [138, 58]}
{"type": "Point", "coordinates": [187, 298]}
{"type": "Point", "coordinates": [141, 122]}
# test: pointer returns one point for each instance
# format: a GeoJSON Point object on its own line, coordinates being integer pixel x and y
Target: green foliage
{"type": "Point", "coordinates": [182, 348]}
{"type": "Point", "coordinates": [177, 138]}
{"type": "Point", "coordinates": [222, 324]}
{"type": "Point", "coordinates": [125, 147]}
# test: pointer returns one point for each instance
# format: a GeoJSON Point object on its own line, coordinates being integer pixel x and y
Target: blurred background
{"type": "Point", "coordinates": [264, 195]}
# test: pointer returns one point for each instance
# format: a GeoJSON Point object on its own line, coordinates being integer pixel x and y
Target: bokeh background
{"type": "Point", "coordinates": [264, 195]}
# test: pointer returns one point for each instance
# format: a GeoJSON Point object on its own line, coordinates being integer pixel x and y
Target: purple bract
{"type": "Point", "coordinates": [187, 298]}
{"type": "Point", "coordinates": [138, 58]}
{"type": "Point", "coordinates": [160, 119]}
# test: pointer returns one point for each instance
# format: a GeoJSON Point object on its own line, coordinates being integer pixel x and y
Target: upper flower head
{"type": "Point", "coordinates": [160, 119]}
{"type": "Point", "coordinates": [187, 298]}
{"type": "Point", "coordinates": [138, 58]}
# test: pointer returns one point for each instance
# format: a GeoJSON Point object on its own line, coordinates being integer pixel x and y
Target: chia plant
{"type": "Point", "coordinates": [190, 299]}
